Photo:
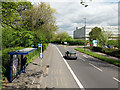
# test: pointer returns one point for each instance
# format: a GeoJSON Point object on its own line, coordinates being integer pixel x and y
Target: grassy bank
{"type": "Point", "coordinates": [109, 60]}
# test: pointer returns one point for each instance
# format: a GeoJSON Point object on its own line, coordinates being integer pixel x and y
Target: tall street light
{"type": "Point", "coordinates": [84, 33]}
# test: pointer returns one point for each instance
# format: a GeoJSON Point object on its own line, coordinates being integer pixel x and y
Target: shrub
{"type": "Point", "coordinates": [113, 43]}
{"type": "Point", "coordinates": [76, 42]}
{"type": "Point", "coordinates": [98, 49]}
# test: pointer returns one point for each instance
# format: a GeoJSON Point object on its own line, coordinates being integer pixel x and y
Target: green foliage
{"type": "Point", "coordinates": [94, 34]}
{"type": "Point", "coordinates": [23, 24]}
{"type": "Point", "coordinates": [11, 13]}
{"type": "Point", "coordinates": [62, 37]}
{"type": "Point", "coordinates": [40, 19]}
{"type": "Point", "coordinates": [6, 58]}
{"type": "Point", "coordinates": [98, 49]}
{"type": "Point", "coordinates": [112, 52]}
{"type": "Point", "coordinates": [12, 38]}
{"type": "Point", "coordinates": [114, 43]}
{"type": "Point", "coordinates": [76, 42]}
{"type": "Point", "coordinates": [109, 51]}
{"type": "Point", "coordinates": [109, 60]}
{"type": "Point", "coordinates": [100, 35]}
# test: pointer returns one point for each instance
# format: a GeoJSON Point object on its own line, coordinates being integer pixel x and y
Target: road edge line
{"type": "Point", "coordinates": [74, 76]}
{"type": "Point", "coordinates": [116, 79]}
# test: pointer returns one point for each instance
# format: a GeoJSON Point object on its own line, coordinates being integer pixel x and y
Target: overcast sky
{"type": "Point", "coordinates": [71, 14]}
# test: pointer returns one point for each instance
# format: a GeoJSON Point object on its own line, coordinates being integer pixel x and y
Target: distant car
{"type": "Point", "coordinates": [70, 55]}
{"type": "Point", "coordinates": [65, 43]}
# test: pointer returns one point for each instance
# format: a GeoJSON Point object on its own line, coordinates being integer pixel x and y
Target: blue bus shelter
{"type": "Point", "coordinates": [16, 61]}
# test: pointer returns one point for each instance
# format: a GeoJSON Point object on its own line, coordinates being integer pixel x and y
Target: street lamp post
{"type": "Point", "coordinates": [84, 33]}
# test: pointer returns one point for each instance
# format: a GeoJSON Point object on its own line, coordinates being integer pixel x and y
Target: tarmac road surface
{"type": "Point", "coordinates": [86, 72]}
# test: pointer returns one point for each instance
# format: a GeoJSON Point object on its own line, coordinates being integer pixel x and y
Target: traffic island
{"type": "Point", "coordinates": [109, 60]}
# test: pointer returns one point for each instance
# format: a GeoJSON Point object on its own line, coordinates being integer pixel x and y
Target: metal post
{"type": "Point", "coordinates": [41, 55]}
{"type": "Point", "coordinates": [41, 48]}
{"type": "Point", "coordinates": [84, 34]}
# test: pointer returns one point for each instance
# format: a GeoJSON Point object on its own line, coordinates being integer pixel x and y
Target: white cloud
{"type": "Point", "coordinates": [71, 13]}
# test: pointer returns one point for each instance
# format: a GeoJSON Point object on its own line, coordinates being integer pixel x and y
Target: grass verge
{"type": "Point", "coordinates": [109, 60]}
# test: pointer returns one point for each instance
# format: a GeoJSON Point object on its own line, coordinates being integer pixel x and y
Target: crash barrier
{"type": "Point", "coordinates": [17, 62]}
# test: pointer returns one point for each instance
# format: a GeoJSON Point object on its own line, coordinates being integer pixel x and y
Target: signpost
{"type": "Point", "coordinates": [41, 55]}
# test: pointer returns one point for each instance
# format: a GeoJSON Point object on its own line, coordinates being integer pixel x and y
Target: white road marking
{"type": "Point", "coordinates": [116, 79]}
{"type": "Point", "coordinates": [96, 67]}
{"type": "Point", "coordinates": [81, 59]}
{"type": "Point", "coordinates": [74, 76]}
{"type": "Point", "coordinates": [85, 56]}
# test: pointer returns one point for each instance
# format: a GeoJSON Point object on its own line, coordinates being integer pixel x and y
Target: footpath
{"type": "Point", "coordinates": [32, 77]}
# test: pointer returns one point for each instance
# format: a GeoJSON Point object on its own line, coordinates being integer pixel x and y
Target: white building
{"type": "Point", "coordinates": [82, 33]}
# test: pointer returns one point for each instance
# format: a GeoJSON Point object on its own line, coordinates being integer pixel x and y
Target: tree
{"type": "Point", "coordinates": [40, 19]}
{"type": "Point", "coordinates": [95, 33]}
{"type": "Point", "coordinates": [23, 25]}
{"type": "Point", "coordinates": [103, 37]}
{"type": "Point", "coordinates": [98, 34]}
{"type": "Point", "coordinates": [62, 37]}
{"type": "Point", "coordinates": [11, 13]}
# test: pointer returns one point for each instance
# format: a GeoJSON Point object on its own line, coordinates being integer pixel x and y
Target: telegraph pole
{"type": "Point", "coordinates": [84, 33]}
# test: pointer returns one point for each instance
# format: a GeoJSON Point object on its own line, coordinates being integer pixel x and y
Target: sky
{"type": "Point", "coordinates": [71, 14]}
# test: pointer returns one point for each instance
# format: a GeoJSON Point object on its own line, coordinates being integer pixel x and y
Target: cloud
{"type": "Point", "coordinates": [71, 13]}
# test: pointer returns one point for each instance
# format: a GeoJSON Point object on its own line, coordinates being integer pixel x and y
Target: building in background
{"type": "Point", "coordinates": [81, 33]}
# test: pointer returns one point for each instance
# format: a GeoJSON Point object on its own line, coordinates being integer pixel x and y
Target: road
{"type": "Point", "coordinates": [86, 72]}
{"type": "Point", "coordinates": [91, 72]}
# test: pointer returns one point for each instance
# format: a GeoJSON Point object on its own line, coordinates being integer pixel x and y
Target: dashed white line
{"type": "Point", "coordinates": [96, 67]}
{"type": "Point", "coordinates": [116, 79]}
{"type": "Point", "coordinates": [81, 59]}
{"type": "Point", "coordinates": [74, 76]}
{"type": "Point", "coordinates": [85, 56]}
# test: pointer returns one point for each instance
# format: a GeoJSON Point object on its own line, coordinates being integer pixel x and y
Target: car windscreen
{"type": "Point", "coordinates": [72, 54]}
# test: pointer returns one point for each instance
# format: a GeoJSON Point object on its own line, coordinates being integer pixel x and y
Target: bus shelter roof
{"type": "Point", "coordinates": [24, 51]}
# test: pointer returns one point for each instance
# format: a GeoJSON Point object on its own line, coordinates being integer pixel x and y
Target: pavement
{"type": "Point", "coordinates": [52, 73]}
{"type": "Point", "coordinates": [94, 74]}
{"type": "Point", "coordinates": [56, 72]}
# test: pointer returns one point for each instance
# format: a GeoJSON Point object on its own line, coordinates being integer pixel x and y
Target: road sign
{"type": "Point", "coordinates": [32, 45]}
{"type": "Point", "coordinates": [88, 44]}
{"type": "Point", "coordinates": [94, 41]}
{"type": "Point", "coordinates": [39, 45]}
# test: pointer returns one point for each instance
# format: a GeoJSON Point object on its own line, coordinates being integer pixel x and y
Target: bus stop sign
{"type": "Point", "coordinates": [39, 45]}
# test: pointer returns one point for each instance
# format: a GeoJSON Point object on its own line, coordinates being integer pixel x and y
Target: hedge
{"type": "Point", "coordinates": [71, 42]}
